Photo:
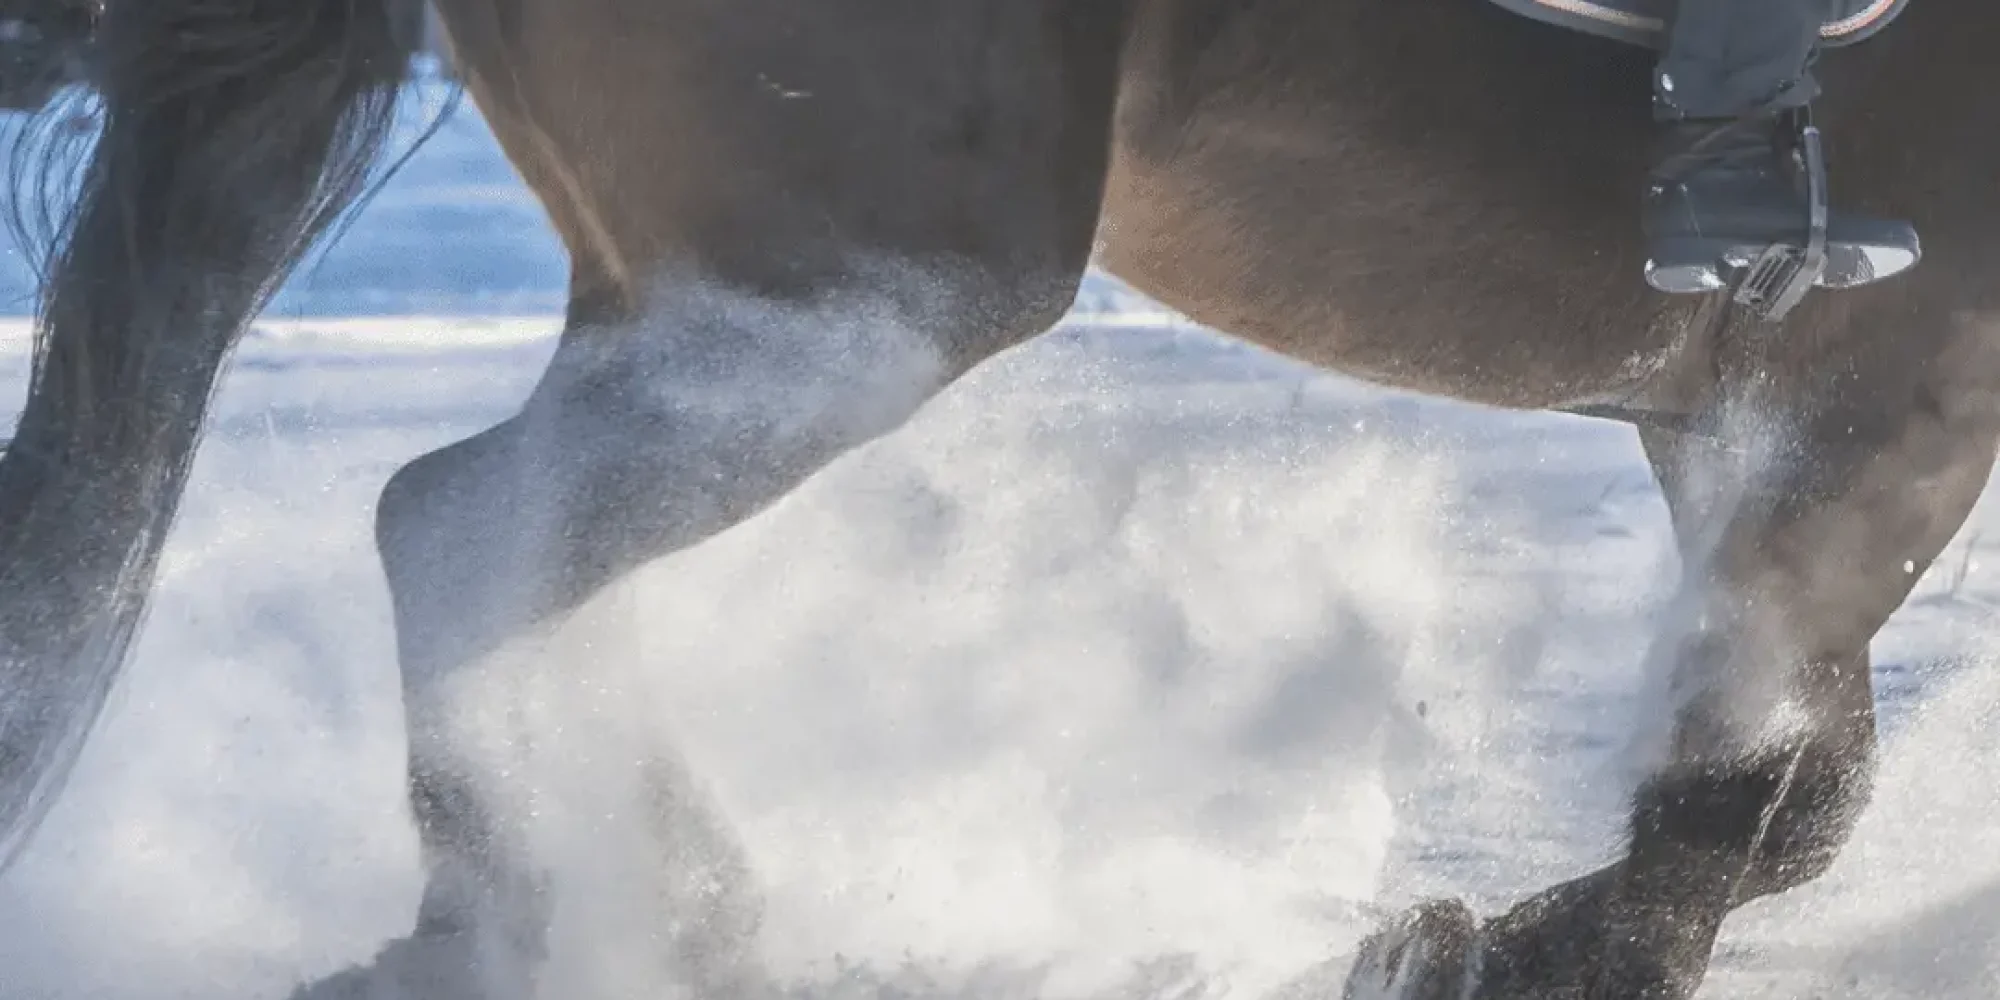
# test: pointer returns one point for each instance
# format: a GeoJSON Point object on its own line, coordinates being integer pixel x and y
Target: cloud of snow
{"type": "Point", "coordinates": [1104, 675]}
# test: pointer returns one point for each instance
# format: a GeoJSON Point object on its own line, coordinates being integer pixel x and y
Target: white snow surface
{"type": "Point", "coordinates": [1139, 664]}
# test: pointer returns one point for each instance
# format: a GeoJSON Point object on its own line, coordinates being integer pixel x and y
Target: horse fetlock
{"type": "Point", "coordinates": [1583, 939]}
{"type": "Point", "coordinates": [1596, 936]}
{"type": "Point", "coordinates": [1728, 832]}
{"type": "Point", "coordinates": [1705, 815]}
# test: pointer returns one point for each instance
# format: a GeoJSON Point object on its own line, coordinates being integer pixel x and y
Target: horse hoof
{"type": "Point", "coordinates": [1425, 954]}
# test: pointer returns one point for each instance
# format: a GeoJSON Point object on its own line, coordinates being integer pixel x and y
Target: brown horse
{"type": "Point", "coordinates": [792, 223]}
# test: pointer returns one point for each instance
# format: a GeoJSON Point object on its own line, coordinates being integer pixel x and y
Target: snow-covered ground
{"type": "Point", "coordinates": [1138, 665]}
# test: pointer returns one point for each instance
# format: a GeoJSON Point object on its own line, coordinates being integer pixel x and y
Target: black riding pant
{"type": "Point", "coordinates": [1724, 58]}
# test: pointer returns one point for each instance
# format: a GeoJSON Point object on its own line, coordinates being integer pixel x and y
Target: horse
{"type": "Point", "coordinates": [791, 224]}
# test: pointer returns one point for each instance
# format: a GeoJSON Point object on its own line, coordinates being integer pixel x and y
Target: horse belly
{"type": "Point", "coordinates": [1441, 295]}
{"type": "Point", "coordinates": [1439, 197]}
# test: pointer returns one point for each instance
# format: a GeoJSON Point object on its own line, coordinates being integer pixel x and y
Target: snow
{"type": "Point", "coordinates": [1139, 664]}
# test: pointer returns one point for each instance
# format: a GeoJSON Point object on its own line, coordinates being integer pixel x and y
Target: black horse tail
{"type": "Point", "coordinates": [233, 132]}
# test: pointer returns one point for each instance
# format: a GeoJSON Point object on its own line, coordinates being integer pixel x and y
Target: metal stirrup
{"type": "Point", "coordinates": [1778, 280]}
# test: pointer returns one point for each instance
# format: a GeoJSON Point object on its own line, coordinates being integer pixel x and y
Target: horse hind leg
{"type": "Point", "coordinates": [629, 449]}
{"type": "Point", "coordinates": [833, 256]}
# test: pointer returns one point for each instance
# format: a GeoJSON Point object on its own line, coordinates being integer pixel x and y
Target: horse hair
{"type": "Point", "coordinates": [232, 134]}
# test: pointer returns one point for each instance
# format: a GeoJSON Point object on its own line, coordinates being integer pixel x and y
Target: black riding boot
{"type": "Point", "coordinates": [1729, 182]}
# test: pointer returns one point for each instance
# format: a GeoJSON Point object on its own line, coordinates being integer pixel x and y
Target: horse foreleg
{"type": "Point", "coordinates": [1790, 569]}
{"type": "Point", "coordinates": [1793, 558]}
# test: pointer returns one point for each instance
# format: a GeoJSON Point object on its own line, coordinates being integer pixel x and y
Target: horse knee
{"type": "Point", "coordinates": [1814, 822]}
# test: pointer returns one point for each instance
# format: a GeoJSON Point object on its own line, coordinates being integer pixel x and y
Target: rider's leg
{"type": "Point", "coordinates": [1725, 57]}
{"type": "Point", "coordinates": [1726, 186]}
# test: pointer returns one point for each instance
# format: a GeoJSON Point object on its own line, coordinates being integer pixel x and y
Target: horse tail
{"type": "Point", "coordinates": [231, 134]}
